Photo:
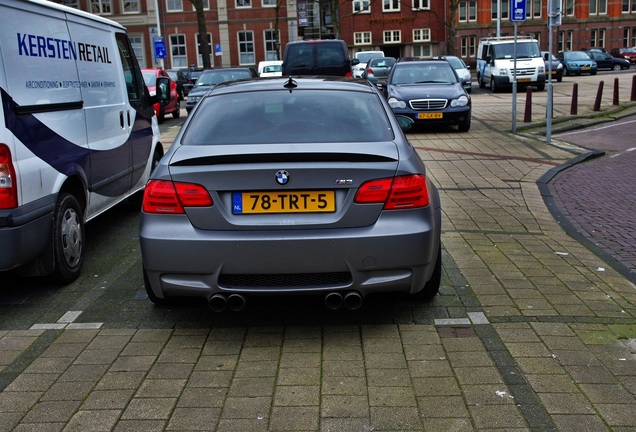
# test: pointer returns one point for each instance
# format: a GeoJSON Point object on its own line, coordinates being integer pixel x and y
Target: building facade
{"type": "Point", "coordinates": [244, 32]}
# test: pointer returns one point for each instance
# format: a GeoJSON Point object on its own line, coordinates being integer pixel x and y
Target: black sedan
{"type": "Point", "coordinates": [212, 77]}
{"type": "Point", "coordinates": [429, 92]}
{"type": "Point", "coordinates": [607, 61]}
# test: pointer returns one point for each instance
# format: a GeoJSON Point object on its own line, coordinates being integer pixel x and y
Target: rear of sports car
{"type": "Point", "coordinates": [301, 186]}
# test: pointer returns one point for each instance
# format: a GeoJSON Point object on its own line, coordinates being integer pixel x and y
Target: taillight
{"type": "Point", "coordinates": [370, 71]}
{"type": "Point", "coordinates": [8, 181]}
{"type": "Point", "coordinates": [167, 197]}
{"type": "Point", "coordinates": [348, 74]}
{"type": "Point", "coordinates": [402, 192]}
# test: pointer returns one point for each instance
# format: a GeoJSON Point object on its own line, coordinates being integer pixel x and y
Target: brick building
{"type": "Point", "coordinates": [244, 32]}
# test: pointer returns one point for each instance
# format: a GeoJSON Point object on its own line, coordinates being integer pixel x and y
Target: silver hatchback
{"type": "Point", "coordinates": [291, 186]}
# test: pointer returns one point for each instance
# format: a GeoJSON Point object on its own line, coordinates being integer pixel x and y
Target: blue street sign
{"type": "Point", "coordinates": [160, 48]}
{"type": "Point", "coordinates": [517, 10]}
{"type": "Point", "coordinates": [217, 50]}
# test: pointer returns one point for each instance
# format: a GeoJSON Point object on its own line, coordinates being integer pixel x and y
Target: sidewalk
{"type": "Point", "coordinates": [532, 331]}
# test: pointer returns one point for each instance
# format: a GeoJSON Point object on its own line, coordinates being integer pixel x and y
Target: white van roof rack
{"type": "Point", "coordinates": [506, 38]}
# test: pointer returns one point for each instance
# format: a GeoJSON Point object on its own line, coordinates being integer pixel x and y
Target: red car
{"type": "Point", "coordinates": [626, 53]}
{"type": "Point", "coordinates": [172, 107]}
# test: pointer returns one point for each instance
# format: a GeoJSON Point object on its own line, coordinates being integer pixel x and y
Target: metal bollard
{"type": "Point", "coordinates": [615, 98]}
{"type": "Point", "coordinates": [527, 116]}
{"type": "Point", "coordinates": [575, 99]}
{"type": "Point", "coordinates": [599, 96]}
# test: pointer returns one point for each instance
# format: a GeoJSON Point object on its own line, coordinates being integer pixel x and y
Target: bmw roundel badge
{"type": "Point", "coordinates": [282, 177]}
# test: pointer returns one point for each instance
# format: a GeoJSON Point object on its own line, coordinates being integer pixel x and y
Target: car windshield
{"type": "Point", "coordinates": [281, 116]}
{"type": "Point", "coordinates": [382, 62]}
{"type": "Point", "coordinates": [150, 78]}
{"type": "Point", "coordinates": [365, 57]}
{"type": "Point", "coordinates": [439, 73]}
{"type": "Point", "coordinates": [456, 62]}
{"type": "Point", "coordinates": [524, 50]}
{"type": "Point", "coordinates": [273, 68]}
{"type": "Point", "coordinates": [576, 55]}
{"type": "Point", "coordinates": [210, 78]}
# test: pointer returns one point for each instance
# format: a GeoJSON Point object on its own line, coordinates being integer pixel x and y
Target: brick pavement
{"type": "Point", "coordinates": [531, 335]}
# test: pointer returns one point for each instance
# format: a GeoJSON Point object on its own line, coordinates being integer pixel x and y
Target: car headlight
{"type": "Point", "coordinates": [459, 102]}
{"type": "Point", "coordinates": [193, 98]}
{"type": "Point", "coordinates": [396, 103]}
{"type": "Point", "coordinates": [541, 69]}
{"type": "Point", "coordinates": [560, 66]}
{"type": "Point", "coordinates": [503, 72]}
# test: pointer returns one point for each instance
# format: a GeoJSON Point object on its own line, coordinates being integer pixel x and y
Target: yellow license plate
{"type": "Point", "coordinates": [283, 202]}
{"type": "Point", "coordinates": [523, 80]}
{"type": "Point", "coordinates": [427, 116]}
{"type": "Point", "coordinates": [585, 68]}
{"type": "Point", "coordinates": [554, 72]}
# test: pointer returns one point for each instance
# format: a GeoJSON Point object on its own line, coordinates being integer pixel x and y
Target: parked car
{"type": "Point", "coordinates": [553, 64]}
{"type": "Point", "coordinates": [429, 92]}
{"type": "Point", "coordinates": [608, 61]}
{"type": "Point", "coordinates": [363, 58]}
{"type": "Point", "coordinates": [318, 57]}
{"type": "Point", "coordinates": [162, 108]}
{"type": "Point", "coordinates": [192, 74]}
{"type": "Point", "coordinates": [577, 63]}
{"type": "Point", "coordinates": [291, 186]}
{"type": "Point", "coordinates": [378, 69]}
{"type": "Point", "coordinates": [626, 53]}
{"type": "Point", "coordinates": [269, 68]}
{"type": "Point", "coordinates": [180, 78]}
{"type": "Point", "coordinates": [212, 77]}
{"type": "Point", "coordinates": [462, 70]}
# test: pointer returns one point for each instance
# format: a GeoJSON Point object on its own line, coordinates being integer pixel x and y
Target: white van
{"type": "Point", "coordinates": [363, 57]}
{"type": "Point", "coordinates": [77, 135]}
{"type": "Point", "coordinates": [270, 68]}
{"type": "Point", "coordinates": [496, 63]}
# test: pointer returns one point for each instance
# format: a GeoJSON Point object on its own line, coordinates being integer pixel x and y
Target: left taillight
{"type": "Point", "coordinates": [166, 197]}
{"type": "Point", "coordinates": [401, 192]}
{"type": "Point", "coordinates": [8, 181]}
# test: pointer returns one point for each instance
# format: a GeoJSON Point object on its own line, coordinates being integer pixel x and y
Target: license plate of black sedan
{"type": "Point", "coordinates": [260, 202]}
{"type": "Point", "coordinates": [430, 115]}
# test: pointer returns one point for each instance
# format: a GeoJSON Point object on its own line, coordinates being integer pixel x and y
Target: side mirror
{"type": "Point", "coordinates": [162, 93]}
{"type": "Point", "coordinates": [355, 61]}
{"type": "Point", "coordinates": [406, 123]}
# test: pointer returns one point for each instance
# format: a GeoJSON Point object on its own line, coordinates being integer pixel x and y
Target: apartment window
{"type": "Point", "coordinates": [362, 38]}
{"type": "Point", "coordinates": [564, 40]}
{"type": "Point", "coordinates": [505, 8]}
{"type": "Point", "coordinates": [390, 5]}
{"type": "Point", "coordinates": [467, 11]}
{"type": "Point", "coordinates": [569, 7]}
{"type": "Point", "coordinates": [268, 3]}
{"type": "Point", "coordinates": [421, 5]}
{"type": "Point", "coordinates": [597, 38]}
{"type": "Point", "coordinates": [71, 3]}
{"type": "Point", "coordinates": [423, 50]}
{"type": "Point", "coordinates": [598, 7]}
{"type": "Point", "coordinates": [271, 53]}
{"type": "Point", "coordinates": [422, 35]}
{"type": "Point", "coordinates": [468, 46]}
{"type": "Point", "coordinates": [206, 5]}
{"type": "Point", "coordinates": [174, 5]}
{"type": "Point", "coordinates": [137, 44]}
{"type": "Point", "coordinates": [199, 55]}
{"type": "Point", "coordinates": [243, 3]}
{"type": "Point", "coordinates": [246, 47]}
{"type": "Point", "coordinates": [101, 7]}
{"type": "Point", "coordinates": [392, 36]}
{"type": "Point", "coordinates": [130, 6]}
{"type": "Point", "coordinates": [361, 6]}
{"type": "Point", "coordinates": [178, 51]}
{"type": "Point", "coordinates": [629, 6]}
{"type": "Point", "coordinates": [533, 9]}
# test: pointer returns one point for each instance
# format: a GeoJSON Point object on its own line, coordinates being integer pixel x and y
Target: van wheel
{"type": "Point", "coordinates": [493, 85]}
{"type": "Point", "coordinates": [177, 113]}
{"type": "Point", "coordinates": [68, 238]}
{"type": "Point", "coordinates": [481, 82]}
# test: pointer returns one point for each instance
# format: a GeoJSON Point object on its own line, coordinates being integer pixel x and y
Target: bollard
{"type": "Point", "coordinates": [527, 117]}
{"type": "Point", "coordinates": [599, 96]}
{"type": "Point", "coordinates": [633, 97]}
{"type": "Point", "coordinates": [615, 98]}
{"type": "Point", "coordinates": [575, 99]}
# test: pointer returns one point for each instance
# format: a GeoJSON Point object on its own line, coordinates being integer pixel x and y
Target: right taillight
{"type": "Point", "coordinates": [166, 197]}
{"type": "Point", "coordinates": [401, 192]}
{"type": "Point", "coordinates": [8, 185]}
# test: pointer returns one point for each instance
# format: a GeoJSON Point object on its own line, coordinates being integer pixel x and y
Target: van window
{"type": "Point", "coordinates": [134, 81]}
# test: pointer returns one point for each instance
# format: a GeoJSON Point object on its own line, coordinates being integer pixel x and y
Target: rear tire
{"type": "Point", "coordinates": [177, 113]}
{"type": "Point", "coordinates": [68, 238]}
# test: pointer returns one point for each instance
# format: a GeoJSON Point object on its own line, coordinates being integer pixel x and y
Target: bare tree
{"type": "Point", "coordinates": [204, 48]}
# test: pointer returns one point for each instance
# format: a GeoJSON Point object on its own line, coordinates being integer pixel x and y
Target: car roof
{"type": "Point", "coordinates": [422, 62]}
{"type": "Point", "coordinates": [288, 83]}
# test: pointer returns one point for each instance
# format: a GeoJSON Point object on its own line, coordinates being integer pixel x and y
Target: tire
{"type": "Point", "coordinates": [617, 67]}
{"type": "Point", "coordinates": [567, 72]}
{"type": "Point", "coordinates": [493, 85]}
{"type": "Point", "coordinates": [541, 87]}
{"type": "Point", "coordinates": [592, 73]}
{"type": "Point", "coordinates": [151, 295]}
{"type": "Point", "coordinates": [559, 79]}
{"type": "Point", "coordinates": [431, 289]}
{"type": "Point", "coordinates": [464, 127]}
{"type": "Point", "coordinates": [481, 82]}
{"type": "Point", "coordinates": [176, 114]}
{"type": "Point", "coordinates": [68, 238]}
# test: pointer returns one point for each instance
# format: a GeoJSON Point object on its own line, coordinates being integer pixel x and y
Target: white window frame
{"type": "Point", "coordinates": [174, 5]}
{"type": "Point", "coordinates": [137, 44]}
{"type": "Point", "coordinates": [421, 5]}
{"type": "Point", "coordinates": [206, 5]}
{"type": "Point", "coordinates": [361, 6]}
{"type": "Point", "coordinates": [101, 7]}
{"type": "Point", "coordinates": [362, 38]}
{"type": "Point", "coordinates": [467, 11]}
{"type": "Point", "coordinates": [569, 7]}
{"type": "Point", "coordinates": [390, 5]}
{"type": "Point", "coordinates": [243, 4]}
{"type": "Point", "coordinates": [268, 3]}
{"type": "Point", "coordinates": [178, 42]}
{"type": "Point", "coordinates": [392, 36]}
{"type": "Point", "coordinates": [505, 9]}
{"type": "Point", "coordinates": [198, 50]}
{"type": "Point", "coordinates": [422, 50]}
{"type": "Point", "coordinates": [269, 40]}
{"type": "Point", "coordinates": [421, 35]}
{"type": "Point", "coordinates": [134, 6]}
{"type": "Point", "coordinates": [247, 57]}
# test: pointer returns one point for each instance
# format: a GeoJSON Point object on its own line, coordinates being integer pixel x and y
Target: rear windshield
{"type": "Point", "coordinates": [278, 116]}
{"type": "Point", "coordinates": [214, 77]}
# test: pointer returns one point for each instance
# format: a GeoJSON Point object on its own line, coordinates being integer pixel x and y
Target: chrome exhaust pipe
{"type": "Point", "coordinates": [236, 302]}
{"type": "Point", "coordinates": [218, 303]}
{"type": "Point", "coordinates": [353, 300]}
{"type": "Point", "coordinates": [334, 300]}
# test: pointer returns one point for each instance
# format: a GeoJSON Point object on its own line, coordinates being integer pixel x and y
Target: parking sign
{"type": "Point", "coordinates": [517, 10]}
